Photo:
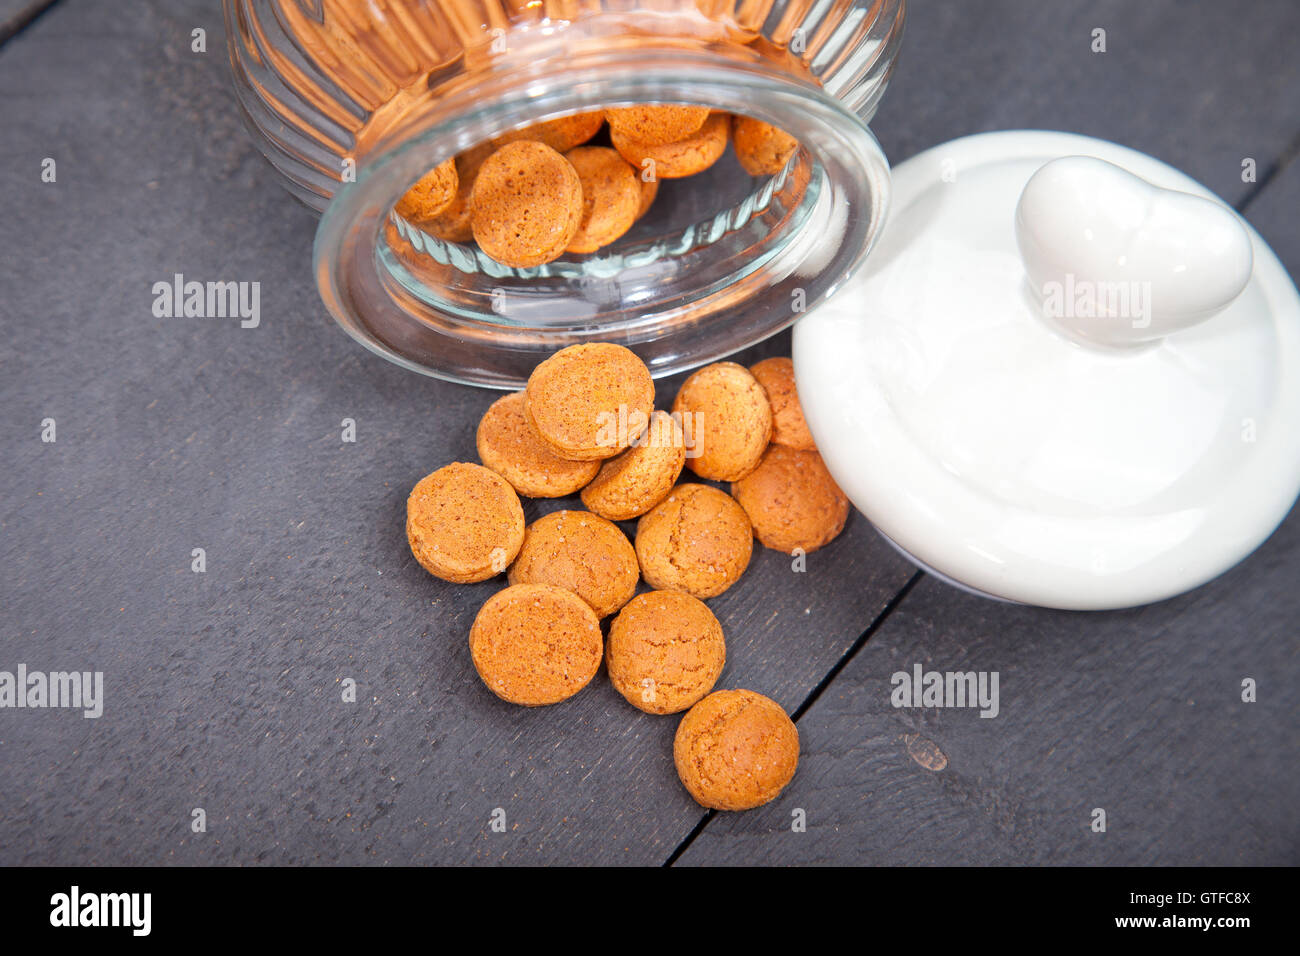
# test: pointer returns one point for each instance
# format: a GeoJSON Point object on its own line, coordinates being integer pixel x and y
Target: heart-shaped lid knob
{"type": "Point", "coordinates": [1119, 261]}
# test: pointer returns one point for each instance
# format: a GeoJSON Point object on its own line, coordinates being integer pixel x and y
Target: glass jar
{"type": "Point", "coordinates": [354, 100]}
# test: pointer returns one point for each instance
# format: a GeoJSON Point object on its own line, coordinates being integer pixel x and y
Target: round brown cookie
{"type": "Point", "coordinates": [560, 134]}
{"type": "Point", "coordinates": [589, 401]}
{"type": "Point", "coordinates": [535, 644]}
{"type": "Point", "coordinates": [792, 500]}
{"type": "Point", "coordinates": [527, 204]}
{"type": "Point", "coordinates": [508, 445]}
{"type": "Point", "coordinates": [453, 223]}
{"type": "Point", "coordinates": [763, 149]}
{"type": "Point", "coordinates": [431, 195]}
{"type": "Point", "coordinates": [610, 197]}
{"type": "Point", "coordinates": [736, 750]}
{"type": "Point", "coordinates": [464, 523]}
{"type": "Point", "coordinates": [697, 540]}
{"type": "Point", "coordinates": [656, 125]}
{"type": "Point", "coordinates": [582, 553]}
{"type": "Point", "coordinates": [665, 651]}
{"type": "Point", "coordinates": [630, 484]}
{"type": "Point", "coordinates": [776, 375]}
{"type": "Point", "coordinates": [685, 157]}
{"type": "Point", "coordinates": [727, 420]}
{"type": "Point", "coordinates": [649, 190]}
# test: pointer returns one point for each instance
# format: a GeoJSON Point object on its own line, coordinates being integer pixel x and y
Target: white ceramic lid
{"type": "Point", "coordinates": [1077, 392]}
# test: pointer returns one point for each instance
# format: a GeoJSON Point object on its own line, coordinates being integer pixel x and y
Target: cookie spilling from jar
{"type": "Point", "coordinates": [532, 195]}
{"type": "Point", "coordinates": [586, 424]}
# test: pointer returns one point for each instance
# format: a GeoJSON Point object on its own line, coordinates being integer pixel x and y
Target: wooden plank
{"type": "Point", "coordinates": [17, 15]}
{"type": "Point", "coordinates": [223, 688]}
{"type": "Point", "coordinates": [1272, 211]}
{"type": "Point", "coordinates": [174, 434]}
{"type": "Point", "coordinates": [1200, 85]}
{"type": "Point", "coordinates": [1138, 713]}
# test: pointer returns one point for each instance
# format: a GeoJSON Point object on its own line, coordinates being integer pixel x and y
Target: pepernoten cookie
{"type": "Point", "coordinates": [656, 125]}
{"type": "Point", "coordinates": [736, 750]}
{"type": "Point", "coordinates": [697, 540]}
{"type": "Point", "coordinates": [535, 644]}
{"type": "Point", "coordinates": [560, 134]}
{"type": "Point", "coordinates": [727, 419]}
{"type": "Point", "coordinates": [683, 157]}
{"type": "Point", "coordinates": [665, 651]}
{"type": "Point", "coordinates": [527, 204]}
{"type": "Point", "coordinates": [763, 149]}
{"type": "Point", "coordinates": [591, 401]}
{"type": "Point", "coordinates": [464, 523]}
{"type": "Point", "coordinates": [453, 223]}
{"type": "Point", "coordinates": [431, 195]}
{"type": "Point", "coordinates": [611, 197]}
{"type": "Point", "coordinates": [580, 552]}
{"type": "Point", "coordinates": [631, 483]}
{"type": "Point", "coordinates": [776, 375]}
{"type": "Point", "coordinates": [509, 446]}
{"type": "Point", "coordinates": [792, 500]}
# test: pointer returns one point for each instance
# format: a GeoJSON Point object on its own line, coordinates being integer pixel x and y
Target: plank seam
{"type": "Point", "coordinates": [857, 645]}
{"type": "Point", "coordinates": [1271, 172]}
{"type": "Point", "coordinates": [815, 693]}
{"type": "Point", "coordinates": [23, 20]}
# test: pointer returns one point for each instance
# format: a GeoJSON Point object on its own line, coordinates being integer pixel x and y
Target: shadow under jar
{"type": "Point", "coordinates": [354, 100]}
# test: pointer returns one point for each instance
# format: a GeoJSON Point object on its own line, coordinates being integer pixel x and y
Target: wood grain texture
{"type": "Point", "coordinates": [1272, 211]}
{"type": "Point", "coordinates": [17, 15]}
{"type": "Point", "coordinates": [1200, 85]}
{"type": "Point", "coordinates": [223, 688]}
{"type": "Point", "coordinates": [1139, 713]}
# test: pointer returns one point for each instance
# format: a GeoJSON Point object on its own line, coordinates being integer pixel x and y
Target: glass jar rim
{"type": "Point", "coordinates": [352, 282]}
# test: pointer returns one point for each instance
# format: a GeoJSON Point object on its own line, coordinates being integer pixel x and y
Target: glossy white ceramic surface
{"type": "Point", "coordinates": [991, 444]}
{"type": "Point", "coordinates": [1119, 261]}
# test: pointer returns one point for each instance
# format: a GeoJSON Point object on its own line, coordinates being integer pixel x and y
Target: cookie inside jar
{"type": "Point", "coordinates": [587, 195]}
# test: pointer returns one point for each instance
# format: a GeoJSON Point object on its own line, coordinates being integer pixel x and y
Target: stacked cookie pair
{"type": "Point", "coordinates": [586, 423]}
{"type": "Point", "coordinates": [532, 195]}
{"type": "Point", "coordinates": [751, 432]}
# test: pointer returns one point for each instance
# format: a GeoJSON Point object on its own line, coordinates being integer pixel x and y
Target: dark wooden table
{"type": "Point", "coordinates": [223, 688]}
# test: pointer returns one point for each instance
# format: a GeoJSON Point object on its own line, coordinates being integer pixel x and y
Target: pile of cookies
{"type": "Point", "coordinates": [586, 423]}
{"type": "Point", "coordinates": [534, 194]}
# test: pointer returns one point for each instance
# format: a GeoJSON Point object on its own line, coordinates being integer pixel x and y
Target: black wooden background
{"type": "Point", "coordinates": [223, 688]}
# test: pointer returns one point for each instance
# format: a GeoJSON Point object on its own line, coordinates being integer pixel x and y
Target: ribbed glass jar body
{"type": "Point", "coordinates": [353, 101]}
